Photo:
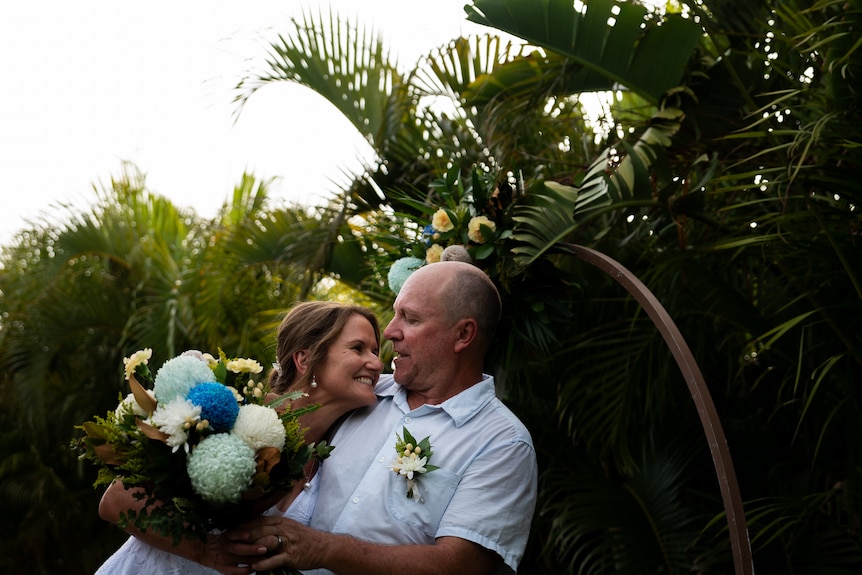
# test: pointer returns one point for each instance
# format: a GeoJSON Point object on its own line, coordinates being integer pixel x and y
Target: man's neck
{"type": "Point", "coordinates": [436, 396]}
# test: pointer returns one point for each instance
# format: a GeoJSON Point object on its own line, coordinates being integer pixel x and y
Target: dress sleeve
{"type": "Point", "coordinates": [302, 507]}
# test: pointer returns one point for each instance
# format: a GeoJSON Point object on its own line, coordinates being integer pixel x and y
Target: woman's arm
{"type": "Point", "coordinates": [212, 553]}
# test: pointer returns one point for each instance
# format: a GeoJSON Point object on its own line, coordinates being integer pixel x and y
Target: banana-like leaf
{"type": "Point", "coordinates": [550, 215]}
{"type": "Point", "coordinates": [543, 222]}
{"type": "Point", "coordinates": [631, 178]}
{"type": "Point", "coordinates": [609, 44]}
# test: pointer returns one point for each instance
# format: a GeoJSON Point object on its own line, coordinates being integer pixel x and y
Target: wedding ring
{"type": "Point", "coordinates": [279, 544]}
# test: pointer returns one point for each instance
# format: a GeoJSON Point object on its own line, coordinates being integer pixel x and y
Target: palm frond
{"type": "Point", "coordinates": [347, 64]}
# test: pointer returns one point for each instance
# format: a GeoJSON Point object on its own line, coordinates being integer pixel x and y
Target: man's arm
{"type": "Point", "coordinates": [307, 548]}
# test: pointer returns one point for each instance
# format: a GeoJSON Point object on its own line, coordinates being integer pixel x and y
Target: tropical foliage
{"type": "Point", "coordinates": [717, 178]}
{"type": "Point", "coordinates": [722, 169]}
{"type": "Point", "coordinates": [76, 298]}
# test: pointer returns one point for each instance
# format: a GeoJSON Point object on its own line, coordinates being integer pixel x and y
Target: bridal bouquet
{"type": "Point", "coordinates": [203, 440]}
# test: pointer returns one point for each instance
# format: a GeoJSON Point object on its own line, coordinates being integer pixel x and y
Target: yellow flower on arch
{"type": "Point", "coordinates": [441, 221]}
{"type": "Point", "coordinates": [433, 254]}
{"type": "Point", "coordinates": [474, 230]}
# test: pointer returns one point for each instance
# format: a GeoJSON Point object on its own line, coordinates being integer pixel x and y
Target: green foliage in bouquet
{"type": "Point", "coordinates": [204, 443]}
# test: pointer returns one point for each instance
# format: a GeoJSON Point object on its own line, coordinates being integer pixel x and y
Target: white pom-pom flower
{"type": "Point", "coordinates": [130, 405]}
{"type": "Point", "coordinates": [259, 426]}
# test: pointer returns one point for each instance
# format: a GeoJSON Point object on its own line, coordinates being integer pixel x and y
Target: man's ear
{"type": "Point", "coordinates": [300, 361]}
{"type": "Point", "coordinates": [467, 329]}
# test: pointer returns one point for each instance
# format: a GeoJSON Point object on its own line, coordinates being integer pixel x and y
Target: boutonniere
{"type": "Point", "coordinates": [412, 460]}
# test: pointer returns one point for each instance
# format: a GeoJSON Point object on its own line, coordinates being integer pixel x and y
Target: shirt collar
{"type": "Point", "coordinates": [460, 408]}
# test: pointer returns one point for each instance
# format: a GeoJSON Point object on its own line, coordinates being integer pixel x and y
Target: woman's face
{"type": "Point", "coordinates": [351, 368]}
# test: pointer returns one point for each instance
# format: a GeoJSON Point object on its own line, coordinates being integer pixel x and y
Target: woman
{"type": "Point", "coordinates": [327, 350]}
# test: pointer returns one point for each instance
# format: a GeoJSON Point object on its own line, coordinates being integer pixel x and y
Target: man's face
{"type": "Point", "coordinates": [420, 332]}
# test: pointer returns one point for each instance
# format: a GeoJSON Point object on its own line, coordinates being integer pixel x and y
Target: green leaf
{"type": "Point", "coordinates": [610, 44]}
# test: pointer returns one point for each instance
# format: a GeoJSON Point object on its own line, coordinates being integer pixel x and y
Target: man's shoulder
{"type": "Point", "coordinates": [512, 421]}
{"type": "Point", "coordinates": [495, 414]}
{"type": "Point", "coordinates": [386, 385]}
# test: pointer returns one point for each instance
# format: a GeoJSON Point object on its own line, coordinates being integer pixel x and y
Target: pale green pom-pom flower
{"type": "Point", "coordinates": [178, 376]}
{"type": "Point", "coordinates": [401, 270]}
{"type": "Point", "coordinates": [221, 467]}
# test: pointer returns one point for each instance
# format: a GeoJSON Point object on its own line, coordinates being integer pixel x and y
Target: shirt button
{"type": "Point", "coordinates": [356, 500]}
{"type": "Point", "coordinates": [382, 459]}
{"type": "Point", "coordinates": [407, 420]}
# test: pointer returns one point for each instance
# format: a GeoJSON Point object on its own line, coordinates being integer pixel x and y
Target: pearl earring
{"type": "Point", "coordinates": [313, 382]}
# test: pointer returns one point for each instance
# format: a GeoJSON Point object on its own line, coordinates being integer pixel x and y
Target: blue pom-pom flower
{"type": "Point", "coordinates": [218, 405]}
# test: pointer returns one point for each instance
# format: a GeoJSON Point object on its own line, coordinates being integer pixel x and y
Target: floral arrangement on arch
{"type": "Point", "coordinates": [468, 223]}
{"type": "Point", "coordinates": [205, 442]}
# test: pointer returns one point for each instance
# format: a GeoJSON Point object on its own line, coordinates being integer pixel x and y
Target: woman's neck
{"type": "Point", "coordinates": [317, 423]}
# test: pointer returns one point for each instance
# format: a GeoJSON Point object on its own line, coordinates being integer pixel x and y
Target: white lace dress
{"type": "Point", "coordinates": [138, 558]}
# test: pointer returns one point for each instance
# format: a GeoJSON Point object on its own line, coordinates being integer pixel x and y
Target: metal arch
{"type": "Point", "coordinates": [739, 540]}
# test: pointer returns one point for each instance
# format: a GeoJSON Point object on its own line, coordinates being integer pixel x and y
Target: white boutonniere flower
{"type": "Point", "coordinates": [411, 461]}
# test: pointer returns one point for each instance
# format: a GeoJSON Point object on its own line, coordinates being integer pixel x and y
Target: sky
{"type": "Point", "coordinates": [92, 86]}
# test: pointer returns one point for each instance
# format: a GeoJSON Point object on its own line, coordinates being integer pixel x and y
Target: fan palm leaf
{"type": "Point", "coordinates": [347, 65]}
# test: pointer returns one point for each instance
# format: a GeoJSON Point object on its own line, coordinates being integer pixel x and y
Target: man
{"type": "Point", "coordinates": [469, 515]}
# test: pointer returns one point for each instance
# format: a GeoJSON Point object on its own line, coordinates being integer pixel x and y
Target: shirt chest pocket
{"type": "Point", "coordinates": [431, 498]}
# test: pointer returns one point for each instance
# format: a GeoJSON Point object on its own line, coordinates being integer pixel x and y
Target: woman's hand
{"type": "Point", "coordinates": [221, 554]}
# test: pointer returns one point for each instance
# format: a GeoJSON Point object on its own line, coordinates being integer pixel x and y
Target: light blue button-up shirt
{"type": "Point", "coordinates": [484, 490]}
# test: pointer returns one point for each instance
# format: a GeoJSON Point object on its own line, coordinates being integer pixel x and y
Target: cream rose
{"type": "Point", "coordinates": [433, 254]}
{"type": "Point", "coordinates": [474, 231]}
{"type": "Point", "coordinates": [139, 357]}
{"type": "Point", "coordinates": [244, 366]}
{"type": "Point", "coordinates": [441, 221]}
